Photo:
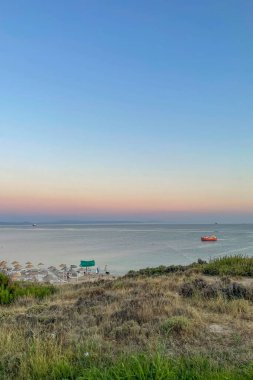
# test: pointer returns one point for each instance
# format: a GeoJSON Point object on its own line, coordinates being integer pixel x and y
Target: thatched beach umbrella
{"type": "Point", "coordinates": [40, 264]}
{"type": "Point", "coordinates": [53, 268]}
{"type": "Point", "coordinates": [16, 275]}
{"type": "Point", "coordinates": [17, 266]}
{"type": "Point", "coordinates": [56, 271]}
{"type": "Point", "coordinates": [48, 278]}
{"type": "Point", "coordinates": [14, 262]}
{"type": "Point", "coordinates": [33, 272]}
{"type": "Point", "coordinates": [29, 266]}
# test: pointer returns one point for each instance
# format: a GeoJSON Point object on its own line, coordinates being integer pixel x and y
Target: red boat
{"type": "Point", "coordinates": [209, 238]}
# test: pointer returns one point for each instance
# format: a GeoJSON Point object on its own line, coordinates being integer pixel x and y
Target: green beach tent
{"type": "Point", "coordinates": [87, 264]}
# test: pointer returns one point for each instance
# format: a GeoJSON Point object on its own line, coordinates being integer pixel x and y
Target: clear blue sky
{"type": "Point", "coordinates": [135, 109]}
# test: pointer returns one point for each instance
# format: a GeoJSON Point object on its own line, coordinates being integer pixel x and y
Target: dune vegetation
{"type": "Point", "coordinates": [189, 322]}
{"type": "Point", "coordinates": [10, 291]}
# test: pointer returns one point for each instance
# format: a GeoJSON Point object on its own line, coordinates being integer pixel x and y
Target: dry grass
{"type": "Point", "coordinates": [127, 315]}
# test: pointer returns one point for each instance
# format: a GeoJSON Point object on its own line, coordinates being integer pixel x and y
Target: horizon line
{"type": "Point", "coordinates": [65, 222]}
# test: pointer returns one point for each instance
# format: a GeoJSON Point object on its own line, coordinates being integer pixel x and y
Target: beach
{"type": "Point", "coordinates": [50, 274]}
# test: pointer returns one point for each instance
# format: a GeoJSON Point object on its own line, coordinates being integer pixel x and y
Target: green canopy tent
{"type": "Point", "coordinates": [87, 264]}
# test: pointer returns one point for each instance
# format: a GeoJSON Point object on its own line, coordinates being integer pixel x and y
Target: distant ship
{"type": "Point", "coordinates": [209, 238]}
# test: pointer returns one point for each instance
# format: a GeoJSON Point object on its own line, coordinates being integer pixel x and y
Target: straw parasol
{"type": "Point", "coordinates": [28, 263]}
{"type": "Point", "coordinates": [17, 266]}
{"type": "Point", "coordinates": [53, 268]}
{"type": "Point", "coordinates": [33, 272]}
{"type": "Point", "coordinates": [29, 266]}
{"type": "Point", "coordinates": [40, 264]}
{"type": "Point", "coordinates": [14, 262]}
{"type": "Point", "coordinates": [62, 266]}
{"type": "Point", "coordinates": [48, 278]}
{"type": "Point", "coordinates": [16, 274]}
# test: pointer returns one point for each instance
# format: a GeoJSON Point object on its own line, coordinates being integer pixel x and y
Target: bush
{"type": "Point", "coordinates": [235, 290]}
{"type": "Point", "coordinates": [211, 291]}
{"type": "Point", "coordinates": [10, 291]}
{"type": "Point", "coordinates": [237, 265]}
{"type": "Point", "coordinates": [199, 283]}
{"type": "Point", "coordinates": [177, 324]}
{"type": "Point", "coordinates": [161, 270]}
{"type": "Point", "coordinates": [227, 290]}
{"type": "Point", "coordinates": [7, 290]}
{"type": "Point", "coordinates": [187, 289]}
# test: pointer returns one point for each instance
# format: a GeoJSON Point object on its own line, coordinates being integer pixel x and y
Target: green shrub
{"type": "Point", "coordinates": [237, 265]}
{"type": "Point", "coordinates": [10, 291]}
{"type": "Point", "coordinates": [162, 270]}
{"type": "Point", "coordinates": [178, 324]}
{"type": "Point", "coordinates": [34, 290]}
{"type": "Point", "coordinates": [4, 280]}
{"type": "Point", "coordinates": [7, 290]}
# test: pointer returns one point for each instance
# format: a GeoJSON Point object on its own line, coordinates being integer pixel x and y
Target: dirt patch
{"type": "Point", "coordinates": [218, 329]}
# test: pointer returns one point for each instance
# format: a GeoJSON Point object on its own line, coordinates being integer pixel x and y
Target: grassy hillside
{"type": "Point", "coordinates": [193, 322]}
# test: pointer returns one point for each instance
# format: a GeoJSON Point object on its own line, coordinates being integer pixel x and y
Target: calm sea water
{"type": "Point", "coordinates": [122, 246]}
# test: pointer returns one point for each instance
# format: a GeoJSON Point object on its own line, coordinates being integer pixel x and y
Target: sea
{"type": "Point", "coordinates": [122, 247]}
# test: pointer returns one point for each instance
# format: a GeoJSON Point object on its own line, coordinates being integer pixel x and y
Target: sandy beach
{"type": "Point", "coordinates": [51, 274]}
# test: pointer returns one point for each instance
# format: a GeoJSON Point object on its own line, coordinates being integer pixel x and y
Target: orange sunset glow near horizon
{"type": "Point", "coordinates": [120, 202]}
{"type": "Point", "coordinates": [135, 112]}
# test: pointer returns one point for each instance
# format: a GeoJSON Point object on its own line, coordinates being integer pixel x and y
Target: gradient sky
{"type": "Point", "coordinates": [134, 110]}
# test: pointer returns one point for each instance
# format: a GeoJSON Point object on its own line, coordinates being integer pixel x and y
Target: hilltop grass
{"type": "Point", "coordinates": [181, 325]}
{"type": "Point", "coordinates": [230, 265]}
{"type": "Point", "coordinates": [237, 265]}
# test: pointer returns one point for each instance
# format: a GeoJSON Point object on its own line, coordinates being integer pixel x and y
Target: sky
{"type": "Point", "coordinates": [135, 110]}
